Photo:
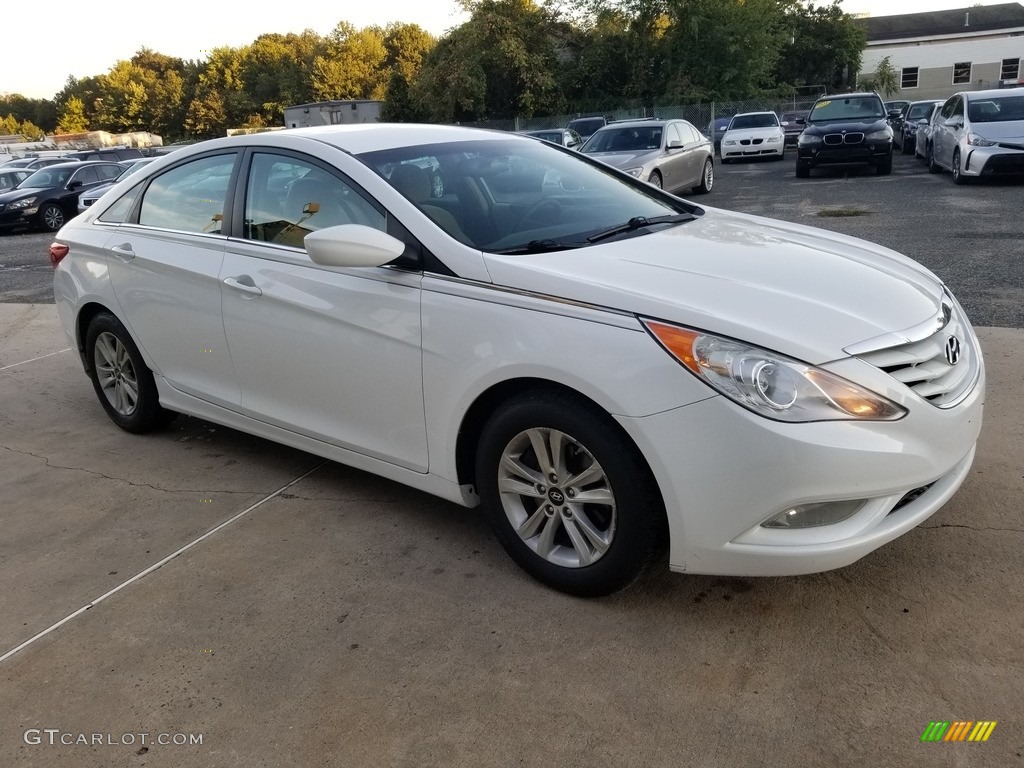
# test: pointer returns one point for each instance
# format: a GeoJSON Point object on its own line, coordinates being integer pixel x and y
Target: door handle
{"type": "Point", "coordinates": [245, 287]}
{"type": "Point", "coordinates": [124, 251]}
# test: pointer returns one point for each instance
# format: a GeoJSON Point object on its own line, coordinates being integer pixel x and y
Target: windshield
{"type": "Point", "coordinates": [996, 109]}
{"type": "Point", "coordinates": [766, 120]}
{"type": "Point", "coordinates": [919, 111]}
{"type": "Point", "coordinates": [501, 194]}
{"type": "Point", "coordinates": [849, 108]}
{"type": "Point", "coordinates": [637, 138]}
{"type": "Point", "coordinates": [46, 177]}
{"type": "Point", "coordinates": [587, 126]}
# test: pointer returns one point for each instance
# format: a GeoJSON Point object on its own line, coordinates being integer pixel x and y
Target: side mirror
{"type": "Point", "coordinates": [352, 245]}
{"type": "Point", "coordinates": [954, 122]}
{"type": "Point", "coordinates": [801, 121]}
{"type": "Point", "coordinates": [675, 144]}
{"type": "Point", "coordinates": [894, 114]}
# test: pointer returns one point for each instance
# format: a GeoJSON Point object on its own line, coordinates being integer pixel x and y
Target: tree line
{"type": "Point", "coordinates": [509, 58]}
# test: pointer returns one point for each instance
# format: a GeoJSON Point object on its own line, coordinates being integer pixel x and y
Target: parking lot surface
{"type": "Point", "coordinates": [334, 618]}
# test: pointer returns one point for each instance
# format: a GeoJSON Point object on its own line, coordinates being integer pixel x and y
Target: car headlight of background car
{"type": "Point", "coordinates": [730, 142]}
{"type": "Point", "coordinates": [883, 135]}
{"type": "Point", "coordinates": [809, 139]}
{"type": "Point", "coordinates": [634, 171]}
{"type": "Point", "coordinates": [770, 384]}
{"type": "Point", "coordinates": [18, 205]}
{"type": "Point", "coordinates": [979, 141]}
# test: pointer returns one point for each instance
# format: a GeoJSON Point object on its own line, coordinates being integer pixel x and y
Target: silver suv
{"type": "Point", "coordinates": [979, 133]}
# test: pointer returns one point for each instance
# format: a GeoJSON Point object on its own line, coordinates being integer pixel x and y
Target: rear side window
{"type": "Point", "coordinates": [189, 197]}
{"type": "Point", "coordinates": [119, 212]}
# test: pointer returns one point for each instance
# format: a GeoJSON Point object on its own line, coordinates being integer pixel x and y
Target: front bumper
{"type": "Point", "coordinates": [723, 471]}
{"type": "Point", "coordinates": [22, 217]}
{"type": "Point", "coordinates": [991, 161]}
{"type": "Point", "coordinates": [868, 153]}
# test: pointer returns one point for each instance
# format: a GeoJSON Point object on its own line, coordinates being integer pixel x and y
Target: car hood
{"type": "Point", "coordinates": [753, 133]}
{"type": "Point", "coordinates": [1010, 130]}
{"type": "Point", "coordinates": [16, 194]}
{"type": "Point", "coordinates": [797, 290]}
{"type": "Point", "coordinates": [623, 159]}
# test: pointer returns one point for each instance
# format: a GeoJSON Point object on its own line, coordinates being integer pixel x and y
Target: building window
{"type": "Point", "coordinates": [1010, 69]}
{"type": "Point", "coordinates": [908, 77]}
{"type": "Point", "coordinates": [961, 73]}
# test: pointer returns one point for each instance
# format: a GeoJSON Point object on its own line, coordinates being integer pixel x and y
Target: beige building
{"type": "Point", "coordinates": [332, 113]}
{"type": "Point", "coordinates": [938, 53]}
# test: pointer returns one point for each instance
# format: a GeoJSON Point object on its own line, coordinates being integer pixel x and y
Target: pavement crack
{"type": "Point", "coordinates": [131, 483]}
{"type": "Point", "coordinates": [971, 528]}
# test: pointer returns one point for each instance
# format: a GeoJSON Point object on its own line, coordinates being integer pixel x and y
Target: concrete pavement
{"type": "Point", "coordinates": [350, 621]}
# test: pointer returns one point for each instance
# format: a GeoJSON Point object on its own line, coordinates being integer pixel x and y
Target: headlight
{"type": "Point", "coordinates": [882, 135]}
{"type": "Point", "coordinates": [634, 171]}
{"type": "Point", "coordinates": [808, 139]}
{"type": "Point", "coordinates": [774, 139]}
{"type": "Point", "coordinates": [979, 141]}
{"type": "Point", "coordinates": [19, 204]}
{"type": "Point", "coordinates": [730, 143]}
{"type": "Point", "coordinates": [770, 384]}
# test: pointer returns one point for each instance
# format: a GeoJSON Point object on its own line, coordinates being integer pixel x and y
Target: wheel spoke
{"type": "Point", "coordinates": [598, 495]}
{"type": "Point", "coordinates": [588, 475]}
{"type": "Point", "coordinates": [556, 440]}
{"type": "Point", "coordinates": [105, 377]}
{"type": "Point", "coordinates": [519, 472]}
{"type": "Point", "coordinates": [546, 542]}
{"type": "Point", "coordinates": [542, 450]}
{"type": "Point", "coordinates": [119, 397]}
{"type": "Point", "coordinates": [519, 487]}
{"type": "Point", "coordinates": [600, 540]}
{"type": "Point", "coordinates": [579, 541]}
{"type": "Point", "coordinates": [131, 393]}
{"type": "Point", "coordinates": [532, 524]}
{"type": "Point", "coordinates": [104, 348]}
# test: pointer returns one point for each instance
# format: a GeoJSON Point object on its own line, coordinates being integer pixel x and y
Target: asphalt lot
{"type": "Point", "coordinates": [340, 619]}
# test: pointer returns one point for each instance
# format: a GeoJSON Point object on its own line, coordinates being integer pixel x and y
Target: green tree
{"type": "Point", "coordinates": [825, 47]}
{"type": "Point", "coordinates": [885, 78]}
{"type": "Point", "coordinates": [352, 65]}
{"type": "Point", "coordinates": [72, 117]}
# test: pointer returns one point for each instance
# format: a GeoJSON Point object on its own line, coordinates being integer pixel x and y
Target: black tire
{"type": "Point", "coordinates": [118, 361]}
{"type": "Point", "coordinates": [632, 526]}
{"type": "Point", "coordinates": [884, 168]}
{"type": "Point", "coordinates": [707, 178]}
{"type": "Point", "coordinates": [51, 217]}
{"type": "Point", "coordinates": [933, 167]}
{"type": "Point", "coordinates": [655, 180]}
{"type": "Point", "coordinates": [958, 177]}
{"type": "Point", "coordinates": [803, 170]}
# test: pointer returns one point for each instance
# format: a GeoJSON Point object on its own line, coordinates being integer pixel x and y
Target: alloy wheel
{"type": "Point", "coordinates": [116, 374]}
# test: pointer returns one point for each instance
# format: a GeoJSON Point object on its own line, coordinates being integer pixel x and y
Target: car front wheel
{"type": "Point", "coordinates": [123, 383]}
{"type": "Point", "coordinates": [568, 494]}
{"type": "Point", "coordinates": [51, 217]}
{"type": "Point", "coordinates": [655, 180]}
{"type": "Point", "coordinates": [958, 177]}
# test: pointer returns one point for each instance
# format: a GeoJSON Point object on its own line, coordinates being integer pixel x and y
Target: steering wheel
{"type": "Point", "coordinates": [545, 211]}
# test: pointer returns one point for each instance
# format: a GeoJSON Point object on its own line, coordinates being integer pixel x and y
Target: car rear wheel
{"type": "Point", "coordinates": [568, 494]}
{"type": "Point", "coordinates": [933, 167]}
{"type": "Point", "coordinates": [51, 217]}
{"type": "Point", "coordinates": [655, 179]}
{"type": "Point", "coordinates": [707, 179]}
{"type": "Point", "coordinates": [123, 383]}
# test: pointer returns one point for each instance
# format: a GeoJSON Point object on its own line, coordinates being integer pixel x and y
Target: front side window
{"type": "Point", "coordinates": [189, 197]}
{"type": "Point", "coordinates": [46, 178]}
{"type": "Point", "coordinates": [919, 111]}
{"type": "Point", "coordinates": [961, 72]}
{"type": "Point", "coordinates": [908, 78]}
{"type": "Point", "coordinates": [85, 176]}
{"type": "Point", "coordinates": [108, 172]}
{"type": "Point", "coordinates": [287, 198]}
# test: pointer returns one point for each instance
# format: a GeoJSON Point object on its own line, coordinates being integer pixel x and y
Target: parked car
{"type": "Point", "coordinates": [110, 154]}
{"type": "Point", "coordinates": [843, 130]}
{"type": "Point", "coordinates": [894, 110]}
{"type": "Point", "coordinates": [35, 163]}
{"type": "Point", "coordinates": [604, 368]}
{"type": "Point", "coordinates": [716, 130]}
{"type": "Point", "coordinates": [89, 197]}
{"type": "Point", "coordinates": [917, 113]}
{"type": "Point", "coordinates": [564, 136]}
{"type": "Point", "coordinates": [924, 132]}
{"type": "Point", "coordinates": [12, 177]}
{"type": "Point", "coordinates": [793, 124]}
{"type": "Point", "coordinates": [671, 154]}
{"type": "Point", "coordinates": [979, 133]}
{"type": "Point", "coordinates": [754, 134]}
{"type": "Point", "coordinates": [49, 197]}
{"type": "Point", "coordinates": [585, 126]}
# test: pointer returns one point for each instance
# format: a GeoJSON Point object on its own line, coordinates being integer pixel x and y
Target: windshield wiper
{"type": "Point", "coordinates": [639, 222]}
{"type": "Point", "coordinates": [539, 246]}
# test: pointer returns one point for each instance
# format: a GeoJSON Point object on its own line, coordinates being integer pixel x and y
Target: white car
{"type": "Point", "coordinates": [605, 368]}
{"type": "Point", "coordinates": [979, 133]}
{"type": "Point", "coordinates": [754, 134]}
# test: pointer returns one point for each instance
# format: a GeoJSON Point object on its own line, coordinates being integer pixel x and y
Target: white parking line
{"type": "Point", "coordinates": [23, 362]}
{"type": "Point", "coordinates": [158, 564]}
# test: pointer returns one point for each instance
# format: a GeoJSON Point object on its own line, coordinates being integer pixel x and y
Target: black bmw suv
{"type": "Point", "coordinates": [845, 129]}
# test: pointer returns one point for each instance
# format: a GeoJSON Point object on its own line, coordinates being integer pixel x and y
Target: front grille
{"type": "Point", "coordinates": [924, 365]}
{"type": "Point", "coordinates": [843, 138]}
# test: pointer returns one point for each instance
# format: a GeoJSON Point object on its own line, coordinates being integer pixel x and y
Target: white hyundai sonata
{"type": "Point", "coordinates": [605, 369]}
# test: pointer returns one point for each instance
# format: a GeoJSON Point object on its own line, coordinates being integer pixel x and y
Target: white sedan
{"type": "Point", "coordinates": [607, 370]}
{"type": "Point", "coordinates": [754, 134]}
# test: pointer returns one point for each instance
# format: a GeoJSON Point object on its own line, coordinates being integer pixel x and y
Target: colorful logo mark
{"type": "Point", "coordinates": [959, 730]}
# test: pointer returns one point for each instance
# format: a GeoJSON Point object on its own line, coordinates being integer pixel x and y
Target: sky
{"type": "Point", "coordinates": [82, 42]}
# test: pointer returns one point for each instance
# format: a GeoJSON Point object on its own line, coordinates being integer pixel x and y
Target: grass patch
{"type": "Point", "coordinates": [842, 213]}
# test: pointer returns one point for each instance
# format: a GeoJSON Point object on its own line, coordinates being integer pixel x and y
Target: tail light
{"type": "Point", "coordinates": [57, 252]}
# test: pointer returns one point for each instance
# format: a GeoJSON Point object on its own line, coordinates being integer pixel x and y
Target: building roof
{"type": "Point", "coordinates": [958, 21]}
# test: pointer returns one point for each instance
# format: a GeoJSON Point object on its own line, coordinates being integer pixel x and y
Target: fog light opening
{"type": "Point", "coordinates": [815, 515]}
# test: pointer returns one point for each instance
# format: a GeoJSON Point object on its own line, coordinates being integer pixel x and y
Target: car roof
{"type": "Point", "coordinates": [746, 114]}
{"type": "Point", "coordinates": [370, 137]}
{"type": "Point", "coordinates": [835, 96]}
{"type": "Point", "coordinates": [78, 164]}
{"type": "Point", "coordinates": [991, 93]}
{"type": "Point", "coordinates": [638, 123]}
